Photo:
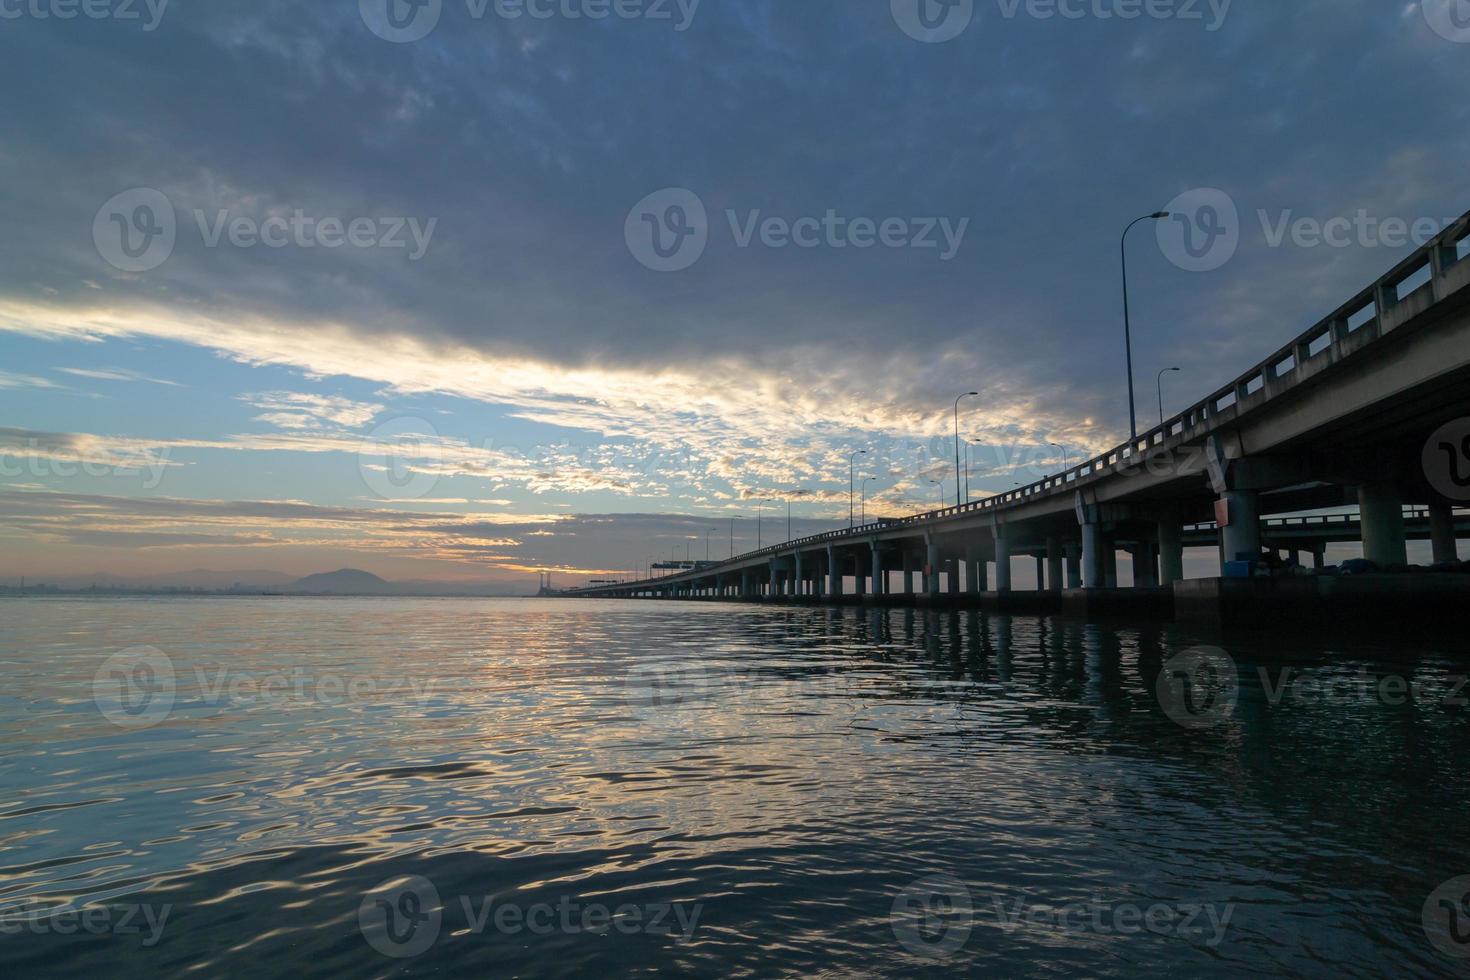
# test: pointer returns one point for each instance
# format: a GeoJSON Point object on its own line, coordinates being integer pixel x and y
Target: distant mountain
{"type": "Point", "coordinates": [346, 581]}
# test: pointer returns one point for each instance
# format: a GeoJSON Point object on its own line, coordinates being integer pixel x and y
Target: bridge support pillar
{"type": "Point", "coordinates": [1092, 560]}
{"type": "Point", "coordinates": [1145, 566]}
{"type": "Point", "coordinates": [1442, 530]}
{"type": "Point", "coordinates": [931, 567]}
{"type": "Point", "coordinates": [1040, 573]}
{"type": "Point", "coordinates": [1110, 562]}
{"type": "Point", "coordinates": [974, 571]}
{"type": "Point", "coordinates": [1002, 561]}
{"type": "Point", "coordinates": [834, 573]}
{"type": "Point", "coordinates": [980, 573]}
{"type": "Point", "coordinates": [1241, 534]}
{"type": "Point", "coordinates": [799, 581]}
{"type": "Point", "coordinates": [954, 575]}
{"type": "Point", "coordinates": [1171, 551]}
{"type": "Point", "coordinates": [745, 583]}
{"type": "Point", "coordinates": [1073, 552]}
{"type": "Point", "coordinates": [908, 572]}
{"type": "Point", "coordinates": [1384, 538]}
{"type": "Point", "coordinates": [1053, 565]}
{"type": "Point", "coordinates": [878, 583]}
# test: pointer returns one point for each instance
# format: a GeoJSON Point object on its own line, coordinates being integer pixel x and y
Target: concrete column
{"type": "Point", "coordinates": [1171, 552]}
{"type": "Point", "coordinates": [1074, 564]}
{"type": "Point", "coordinates": [800, 577]}
{"type": "Point", "coordinates": [974, 574]}
{"type": "Point", "coordinates": [931, 561]}
{"type": "Point", "coordinates": [1110, 563]}
{"type": "Point", "coordinates": [981, 571]}
{"type": "Point", "coordinates": [1145, 568]}
{"type": "Point", "coordinates": [878, 584]}
{"type": "Point", "coordinates": [1040, 573]}
{"type": "Point", "coordinates": [1384, 538]}
{"type": "Point", "coordinates": [908, 571]}
{"type": "Point", "coordinates": [1242, 536]}
{"type": "Point", "coordinates": [1053, 565]}
{"type": "Point", "coordinates": [954, 577]}
{"type": "Point", "coordinates": [1002, 561]}
{"type": "Point", "coordinates": [834, 573]}
{"type": "Point", "coordinates": [1319, 557]}
{"type": "Point", "coordinates": [1092, 559]}
{"type": "Point", "coordinates": [859, 578]}
{"type": "Point", "coordinates": [745, 583]}
{"type": "Point", "coordinates": [1442, 530]}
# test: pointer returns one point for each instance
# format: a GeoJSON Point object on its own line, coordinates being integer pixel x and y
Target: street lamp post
{"type": "Point", "coordinates": [850, 461]}
{"type": "Point", "coordinates": [1127, 324]}
{"type": "Point", "coordinates": [866, 481]}
{"type": "Point", "coordinates": [706, 542]}
{"type": "Point", "coordinates": [939, 484]}
{"type": "Point", "coordinates": [758, 505]}
{"type": "Point", "coordinates": [1066, 456]}
{"type": "Point", "coordinates": [1161, 392]}
{"type": "Point", "coordinates": [969, 465]}
{"type": "Point", "coordinates": [968, 394]}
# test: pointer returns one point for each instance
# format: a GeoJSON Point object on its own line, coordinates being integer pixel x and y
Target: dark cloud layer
{"type": "Point", "coordinates": [530, 140]}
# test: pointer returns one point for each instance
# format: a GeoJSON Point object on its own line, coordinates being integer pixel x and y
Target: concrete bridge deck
{"type": "Point", "coordinates": [1345, 410]}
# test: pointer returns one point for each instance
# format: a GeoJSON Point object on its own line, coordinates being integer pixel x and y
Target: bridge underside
{"type": "Point", "coordinates": [1346, 416]}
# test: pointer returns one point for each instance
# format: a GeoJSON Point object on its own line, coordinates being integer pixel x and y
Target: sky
{"type": "Point", "coordinates": [466, 290]}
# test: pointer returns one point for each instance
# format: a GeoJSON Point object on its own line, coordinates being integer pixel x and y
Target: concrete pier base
{"type": "Point", "coordinates": [1149, 603]}
{"type": "Point", "coordinates": [1396, 602]}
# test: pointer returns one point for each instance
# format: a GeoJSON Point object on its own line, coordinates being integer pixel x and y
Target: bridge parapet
{"type": "Point", "coordinates": [1436, 274]}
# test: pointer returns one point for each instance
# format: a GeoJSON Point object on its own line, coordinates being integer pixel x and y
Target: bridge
{"type": "Point", "coordinates": [1343, 414]}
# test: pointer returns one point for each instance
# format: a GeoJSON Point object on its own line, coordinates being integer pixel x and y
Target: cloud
{"type": "Point", "coordinates": [38, 523]}
{"type": "Point", "coordinates": [11, 381]}
{"type": "Point", "coordinates": [300, 410]}
{"type": "Point", "coordinates": [116, 374]}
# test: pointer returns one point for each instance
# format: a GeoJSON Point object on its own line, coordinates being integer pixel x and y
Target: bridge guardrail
{"type": "Point", "coordinates": [1429, 276]}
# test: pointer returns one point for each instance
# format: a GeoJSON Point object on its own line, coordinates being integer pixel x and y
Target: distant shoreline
{"type": "Point", "coordinates": [42, 593]}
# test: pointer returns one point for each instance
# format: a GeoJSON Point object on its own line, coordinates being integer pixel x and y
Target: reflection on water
{"type": "Point", "coordinates": [384, 787]}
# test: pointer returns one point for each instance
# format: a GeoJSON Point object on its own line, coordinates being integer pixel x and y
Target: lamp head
{"type": "Point", "coordinates": [1157, 215]}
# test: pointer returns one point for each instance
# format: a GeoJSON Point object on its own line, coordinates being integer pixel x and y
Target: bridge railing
{"type": "Point", "coordinates": [1424, 279]}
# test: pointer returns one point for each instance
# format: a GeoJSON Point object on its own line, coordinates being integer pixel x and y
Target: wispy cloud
{"type": "Point", "coordinates": [116, 374]}
{"type": "Point", "coordinates": [12, 381]}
